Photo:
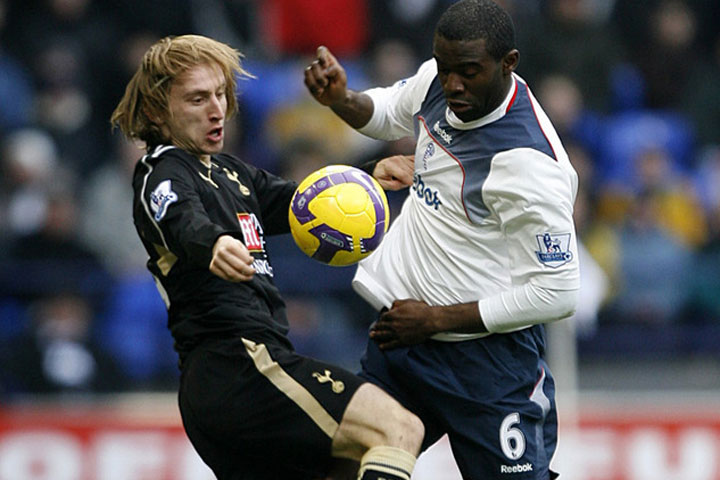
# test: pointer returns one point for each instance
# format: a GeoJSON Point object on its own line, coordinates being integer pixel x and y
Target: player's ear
{"type": "Point", "coordinates": [510, 61]}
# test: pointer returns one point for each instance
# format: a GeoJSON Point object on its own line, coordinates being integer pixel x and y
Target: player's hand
{"type": "Point", "coordinates": [231, 260]}
{"type": "Point", "coordinates": [408, 322]}
{"type": "Point", "coordinates": [396, 172]}
{"type": "Point", "coordinates": [326, 79]}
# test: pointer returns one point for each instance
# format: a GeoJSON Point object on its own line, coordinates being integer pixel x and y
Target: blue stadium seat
{"type": "Point", "coordinates": [134, 329]}
{"type": "Point", "coordinates": [628, 134]}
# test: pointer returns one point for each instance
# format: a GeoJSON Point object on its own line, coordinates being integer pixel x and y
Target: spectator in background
{"type": "Point", "coordinates": [410, 21]}
{"type": "Point", "coordinates": [16, 93]}
{"type": "Point", "coordinates": [668, 55]}
{"type": "Point", "coordinates": [231, 22]}
{"type": "Point", "coordinates": [704, 302]}
{"type": "Point", "coordinates": [701, 97]}
{"type": "Point", "coordinates": [567, 40]}
{"type": "Point", "coordinates": [679, 211]}
{"type": "Point", "coordinates": [30, 165]}
{"type": "Point", "coordinates": [57, 353]}
{"type": "Point", "coordinates": [565, 105]}
{"type": "Point", "coordinates": [653, 269]}
{"type": "Point", "coordinates": [595, 288]}
{"type": "Point", "coordinates": [301, 156]}
{"type": "Point", "coordinates": [105, 227]}
{"type": "Point", "coordinates": [53, 257]}
{"type": "Point", "coordinates": [391, 60]}
{"type": "Point", "coordinates": [704, 288]}
{"type": "Point", "coordinates": [65, 105]}
{"type": "Point", "coordinates": [66, 44]}
{"type": "Point", "coordinates": [304, 121]}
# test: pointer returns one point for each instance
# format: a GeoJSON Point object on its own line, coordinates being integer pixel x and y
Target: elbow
{"type": "Point", "coordinates": [567, 302]}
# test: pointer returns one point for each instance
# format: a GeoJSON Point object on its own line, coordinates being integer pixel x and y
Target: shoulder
{"type": "Point", "coordinates": [428, 68]}
{"type": "Point", "coordinates": [164, 167]}
{"type": "Point", "coordinates": [426, 74]}
{"type": "Point", "coordinates": [165, 160]}
{"type": "Point", "coordinates": [532, 174]}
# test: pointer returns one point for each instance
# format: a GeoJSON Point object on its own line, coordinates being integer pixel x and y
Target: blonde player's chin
{"type": "Point", "coordinates": [213, 147]}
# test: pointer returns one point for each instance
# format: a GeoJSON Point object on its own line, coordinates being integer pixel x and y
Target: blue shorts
{"type": "Point", "coordinates": [494, 397]}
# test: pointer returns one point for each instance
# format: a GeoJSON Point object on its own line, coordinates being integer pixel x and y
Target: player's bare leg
{"type": "Point", "coordinates": [379, 433]}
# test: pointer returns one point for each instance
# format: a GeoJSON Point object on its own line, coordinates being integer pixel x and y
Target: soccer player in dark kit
{"type": "Point", "coordinates": [253, 408]}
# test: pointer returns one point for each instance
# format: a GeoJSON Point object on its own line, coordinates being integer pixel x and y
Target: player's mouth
{"type": "Point", "coordinates": [215, 135]}
{"type": "Point", "coordinates": [459, 106]}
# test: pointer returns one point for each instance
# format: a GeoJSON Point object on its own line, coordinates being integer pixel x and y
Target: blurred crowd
{"type": "Point", "coordinates": [632, 87]}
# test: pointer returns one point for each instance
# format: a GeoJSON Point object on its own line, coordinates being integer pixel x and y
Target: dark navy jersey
{"type": "Point", "coordinates": [181, 206]}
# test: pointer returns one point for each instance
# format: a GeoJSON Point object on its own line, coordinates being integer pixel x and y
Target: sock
{"type": "Point", "coordinates": [386, 463]}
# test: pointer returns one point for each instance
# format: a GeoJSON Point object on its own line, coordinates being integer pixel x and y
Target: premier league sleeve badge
{"type": "Point", "coordinates": [554, 249]}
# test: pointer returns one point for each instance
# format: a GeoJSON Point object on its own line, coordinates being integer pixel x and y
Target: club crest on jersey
{"type": "Point", "coordinates": [429, 152]}
{"type": "Point", "coordinates": [161, 198]}
{"type": "Point", "coordinates": [554, 249]}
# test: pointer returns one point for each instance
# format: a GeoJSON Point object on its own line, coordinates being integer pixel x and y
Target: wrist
{"type": "Point", "coordinates": [369, 167]}
{"type": "Point", "coordinates": [461, 318]}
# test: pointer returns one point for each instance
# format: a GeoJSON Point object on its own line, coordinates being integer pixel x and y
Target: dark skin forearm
{"type": "Point", "coordinates": [409, 322]}
{"type": "Point", "coordinates": [355, 110]}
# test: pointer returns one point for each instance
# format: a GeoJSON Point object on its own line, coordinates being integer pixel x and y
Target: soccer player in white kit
{"type": "Point", "coordinates": [483, 252]}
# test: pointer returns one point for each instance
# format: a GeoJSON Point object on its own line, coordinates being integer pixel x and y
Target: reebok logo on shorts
{"type": "Point", "coordinates": [525, 467]}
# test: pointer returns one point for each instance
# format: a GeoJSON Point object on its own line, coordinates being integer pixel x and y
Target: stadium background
{"type": "Point", "coordinates": [87, 371]}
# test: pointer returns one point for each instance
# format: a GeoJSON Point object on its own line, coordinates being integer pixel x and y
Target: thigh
{"type": "Point", "coordinates": [493, 396]}
{"type": "Point", "coordinates": [257, 406]}
{"type": "Point", "coordinates": [504, 422]}
{"type": "Point", "coordinates": [395, 372]}
{"type": "Point", "coordinates": [514, 436]}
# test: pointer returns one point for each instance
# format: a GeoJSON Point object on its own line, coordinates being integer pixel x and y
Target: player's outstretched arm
{"type": "Point", "coordinates": [231, 260]}
{"type": "Point", "coordinates": [326, 80]}
{"type": "Point", "coordinates": [396, 172]}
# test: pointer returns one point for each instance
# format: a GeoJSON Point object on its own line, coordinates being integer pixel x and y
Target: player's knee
{"type": "Point", "coordinates": [402, 429]}
{"type": "Point", "coordinates": [412, 432]}
{"type": "Point", "coordinates": [373, 419]}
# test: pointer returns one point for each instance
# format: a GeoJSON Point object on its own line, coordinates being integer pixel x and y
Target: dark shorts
{"type": "Point", "coordinates": [494, 397]}
{"type": "Point", "coordinates": [258, 410]}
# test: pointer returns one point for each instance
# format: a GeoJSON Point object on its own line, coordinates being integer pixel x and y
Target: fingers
{"type": "Point", "coordinates": [325, 78]}
{"type": "Point", "coordinates": [386, 339]}
{"type": "Point", "coordinates": [232, 269]}
{"type": "Point", "coordinates": [396, 172]}
{"type": "Point", "coordinates": [231, 260]}
{"type": "Point", "coordinates": [317, 74]}
{"type": "Point", "coordinates": [316, 79]}
{"type": "Point", "coordinates": [390, 345]}
{"type": "Point", "coordinates": [325, 58]}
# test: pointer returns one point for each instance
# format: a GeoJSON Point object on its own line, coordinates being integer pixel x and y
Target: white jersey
{"type": "Point", "coordinates": [489, 212]}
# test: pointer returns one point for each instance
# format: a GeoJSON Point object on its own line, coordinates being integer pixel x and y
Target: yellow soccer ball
{"type": "Point", "coordinates": [339, 215]}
